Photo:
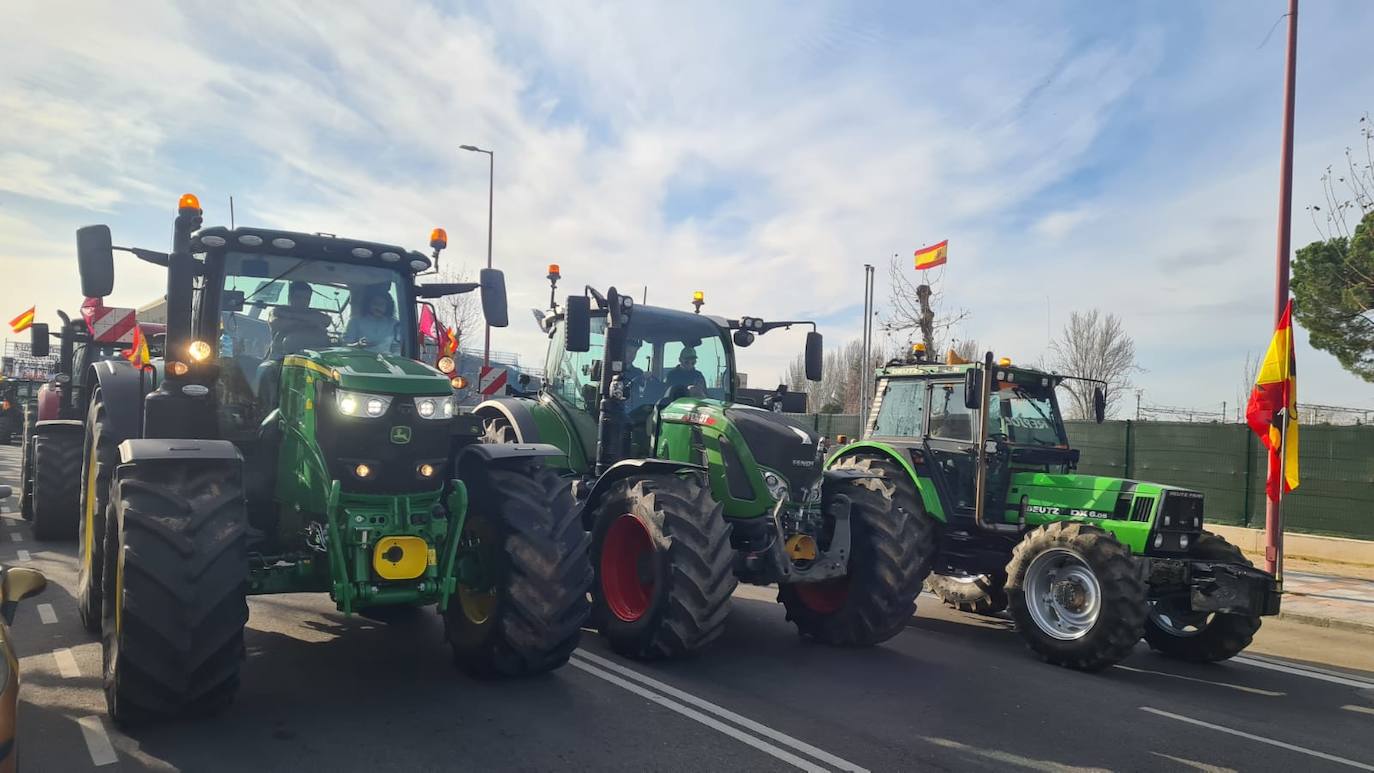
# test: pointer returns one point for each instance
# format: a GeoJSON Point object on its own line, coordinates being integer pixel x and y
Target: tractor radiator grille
{"type": "Point", "coordinates": [1142, 508]}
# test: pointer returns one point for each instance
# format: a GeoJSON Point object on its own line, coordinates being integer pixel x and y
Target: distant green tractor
{"type": "Point", "coordinates": [289, 442]}
{"type": "Point", "coordinates": [687, 491]}
{"type": "Point", "coordinates": [1087, 564]}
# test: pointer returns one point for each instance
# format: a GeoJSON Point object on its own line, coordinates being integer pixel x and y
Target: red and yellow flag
{"type": "Point", "coordinates": [932, 256]}
{"type": "Point", "coordinates": [24, 321]}
{"type": "Point", "coordinates": [1272, 412]}
{"type": "Point", "coordinates": [137, 353]}
{"type": "Point", "coordinates": [450, 341]}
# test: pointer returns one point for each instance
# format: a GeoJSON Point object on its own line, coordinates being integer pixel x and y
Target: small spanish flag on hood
{"type": "Point", "coordinates": [137, 353]}
{"type": "Point", "coordinates": [1272, 412]}
{"type": "Point", "coordinates": [932, 256]}
{"type": "Point", "coordinates": [24, 321]}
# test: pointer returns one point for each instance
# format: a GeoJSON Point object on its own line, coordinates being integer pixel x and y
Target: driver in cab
{"type": "Point", "coordinates": [685, 373]}
{"type": "Point", "coordinates": [296, 326]}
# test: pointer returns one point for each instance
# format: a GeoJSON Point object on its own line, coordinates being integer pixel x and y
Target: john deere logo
{"type": "Point", "coordinates": [400, 435]}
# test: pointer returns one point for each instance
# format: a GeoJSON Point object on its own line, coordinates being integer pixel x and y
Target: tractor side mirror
{"type": "Point", "coordinates": [95, 260]}
{"type": "Point", "coordinates": [1099, 404]}
{"type": "Point", "coordinates": [577, 324]}
{"type": "Point", "coordinates": [494, 297]}
{"type": "Point", "coordinates": [815, 356]}
{"type": "Point", "coordinates": [39, 344]}
{"type": "Point", "coordinates": [18, 584]}
{"type": "Point", "coordinates": [231, 300]}
{"type": "Point", "coordinates": [973, 389]}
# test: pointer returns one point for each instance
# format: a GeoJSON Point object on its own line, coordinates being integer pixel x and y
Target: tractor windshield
{"type": "Point", "coordinates": [1026, 415]}
{"type": "Point", "coordinates": [676, 353]}
{"type": "Point", "coordinates": [277, 304]}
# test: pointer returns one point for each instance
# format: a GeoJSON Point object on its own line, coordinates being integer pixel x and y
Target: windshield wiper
{"type": "Point", "coordinates": [278, 278]}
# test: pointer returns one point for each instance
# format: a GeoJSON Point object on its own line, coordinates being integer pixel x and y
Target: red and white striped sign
{"type": "Point", "coordinates": [492, 380]}
{"type": "Point", "coordinates": [110, 324]}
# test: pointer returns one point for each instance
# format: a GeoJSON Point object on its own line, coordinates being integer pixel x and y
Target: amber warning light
{"type": "Point", "coordinates": [438, 239]}
{"type": "Point", "coordinates": [188, 201]}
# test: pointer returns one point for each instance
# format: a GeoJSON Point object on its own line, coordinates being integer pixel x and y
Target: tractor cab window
{"type": "Point", "coordinates": [902, 409]}
{"type": "Point", "coordinates": [1025, 415]}
{"type": "Point", "coordinates": [571, 373]}
{"type": "Point", "coordinates": [949, 418]}
{"type": "Point", "coordinates": [674, 354]}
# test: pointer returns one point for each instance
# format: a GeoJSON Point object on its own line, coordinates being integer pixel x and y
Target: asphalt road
{"type": "Point", "coordinates": [953, 692]}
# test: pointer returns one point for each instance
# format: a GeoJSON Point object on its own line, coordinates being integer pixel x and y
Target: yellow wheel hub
{"type": "Point", "coordinates": [477, 605]}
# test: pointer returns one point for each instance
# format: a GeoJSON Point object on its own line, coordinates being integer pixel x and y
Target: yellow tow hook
{"type": "Point", "coordinates": [801, 547]}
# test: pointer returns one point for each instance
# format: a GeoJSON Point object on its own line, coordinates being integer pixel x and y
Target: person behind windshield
{"type": "Point", "coordinates": [685, 373]}
{"type": "Point", "coordinates": [375, 324]}
{"type": "Point", "coordinates": [633, 376]}
{"type": "Point", "coordinates": [296, 326]}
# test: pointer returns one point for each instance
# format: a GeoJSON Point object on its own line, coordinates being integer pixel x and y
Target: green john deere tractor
{"type": "Point", "coordinates": [687, 491]}
{"type": "Point", "coordinates": [1087, 564]}
{"type": "Point", "coordinates": [289, 442]}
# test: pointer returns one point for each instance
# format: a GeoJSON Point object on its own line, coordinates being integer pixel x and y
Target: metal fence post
{"type": "Point", "coordinates": [1129, 457]}
{"type": "Point", "coordinates": [1249, 471]}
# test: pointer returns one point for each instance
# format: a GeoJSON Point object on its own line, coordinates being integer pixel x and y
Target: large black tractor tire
{"type": "Point", "coordinates": [1172, 630]}
{"type": "Point", "coordinates": [980, 594]}
{"type": "Point", "coordinates": [100, 456]}
{"type": "Point", "coordinates": [56, 486]}
{"type": "Point", "coordinates": [534, 552]}
{"type": "Point", "coordinates": [26, 468]}
{"type": "Point", "coordinates": [664, 566]}
{"type": "Point", "coordinates": [1076, 596]}
{"type": "Point", "coordinates": [176, 575]}
{"type": "Point", "coordinates": [892, 547]}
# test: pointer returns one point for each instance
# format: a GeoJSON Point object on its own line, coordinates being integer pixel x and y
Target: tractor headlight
{"type": "Point", "coordinates": [434, 407]}
{"type": "Point", "coordinates": [777, 487]}
{"type": "Point", "coordinates": [361, 403]}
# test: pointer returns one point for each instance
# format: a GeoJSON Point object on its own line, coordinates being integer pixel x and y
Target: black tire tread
{"type": "Point", "coordinates": [1225, 635]}
{"type": "Point", "coordinates": [89, 584]}
{"type": "Point", "coordinates": [542, 599]}
{"type": "Point", "coordinates": [56, 486]}
{"type": "Point", "coordinates": [986, 595]}
{"type": "Point", "coordinates": [893, 549]}
{"type": "Point", "coordinates": [182, 529]}
{"type": "Point", "coordinates": [692, 606]}
{"type": "Point", "coordinates": [1121, 621]}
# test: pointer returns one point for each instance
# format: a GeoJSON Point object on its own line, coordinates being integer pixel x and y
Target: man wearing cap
{"type": "Point", "coordinates": [686, 373]}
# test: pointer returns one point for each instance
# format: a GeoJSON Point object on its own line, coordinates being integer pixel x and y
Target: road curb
{"type": "Point", "coordinates": [1327, 622]}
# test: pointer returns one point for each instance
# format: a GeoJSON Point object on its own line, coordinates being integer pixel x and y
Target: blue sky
{"type": "Point", "coordinates": [1121, 156]}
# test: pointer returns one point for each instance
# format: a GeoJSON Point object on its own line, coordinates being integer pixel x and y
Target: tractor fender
{"type": "Point", "coordinates": [177, 450]}
{"type": "Point", "coordinates": [929, 498]}
{"type": "Point", "coordinates": [495, 452]}
{"type": "Point", "coordinates": [49, 402]}
{"type": "Point", "coordinates": [121, 389]}
{"type": "Point", "coordinates": [515, 410]}
{"type": "Point", "coordinates": [625, 469]}
{"type": "Point", "coordinates": [58, 426]}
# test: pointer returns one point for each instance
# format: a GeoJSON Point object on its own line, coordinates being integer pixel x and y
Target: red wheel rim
{"type": "Point", "coordinates": [824, 597]}
{"type": "Point", "coordinates": [627, 581]}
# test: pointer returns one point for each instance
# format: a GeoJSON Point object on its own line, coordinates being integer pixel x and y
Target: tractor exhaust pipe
{"type": "Point", "coordinates": [981, 476]}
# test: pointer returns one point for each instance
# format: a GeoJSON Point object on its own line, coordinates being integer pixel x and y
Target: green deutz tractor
{"type": "Point", "coordinates": [1087, 564]}
{"type": "Point", "coordinates": [289, 442]}
{"type": "Point", "coordinates": [687, 492]}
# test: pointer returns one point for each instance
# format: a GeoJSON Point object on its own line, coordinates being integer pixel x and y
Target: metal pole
{"type": "Point", "coordinates": [1273, 508]}
{"type": "Point", "coordinates": [867, 346]}
{"type": "Point", "coordinates": [491, 198]}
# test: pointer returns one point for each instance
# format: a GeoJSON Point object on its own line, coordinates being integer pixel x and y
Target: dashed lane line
{"type": "Point", "coordinates": [1359, 709]}
{"type": "Point", "coordinates": [1259, 739]}
{"type": "Point", "coordinates": [66, 663]}
{"type": "Point", "coordinates": [16, 536]}
{"type": "Point", "coordinates": [47, 614]}
{"type": "Point", "coordinates": [97, 741]}
{"type": "Point", "coordinates": [1228, 685]}
{"type": "Point", "coordinates": [690, 713]}
{"type": "Point", "coordinates": [724, 713]}
{"type": "Point", "coordinates": [23, 555]}
{"type": "Point", "coordinates": [1307, 671]}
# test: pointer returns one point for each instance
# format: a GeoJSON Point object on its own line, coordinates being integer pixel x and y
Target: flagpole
{"type": "Point", "coordinates": [1273, 509]}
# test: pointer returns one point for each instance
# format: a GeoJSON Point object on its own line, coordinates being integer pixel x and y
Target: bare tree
{"type": "Point", "coordinates": [1096, 346]}
{"type": "Point", "coordinates": [1348, 190]}
{"type": "Point", "coordinates": [1247, 384]}
{"type": "Point", "coordinates": [967, 349]}
{"type": "Point", "coordinates": [462, 312]}
{"type": "Point", "coordinates": [838, 389]}
{"type": "Point", "coordinates": [915, 308]}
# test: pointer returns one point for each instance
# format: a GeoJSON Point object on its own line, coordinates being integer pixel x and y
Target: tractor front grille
{"type": "Point", "coordinates": [1182, 511]}
{"type": "Point", "coordinates": [349, 441]}
{"type": "Point", "coordinates": [1142, 508]}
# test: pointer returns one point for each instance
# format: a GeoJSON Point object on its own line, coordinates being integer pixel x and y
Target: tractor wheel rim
{"type": "Point", "coordinates": [1063, 594]}
{"type": "Point", "coordinates": [627, 583]}
{"type": "Point", "coordinates": [1178, 622]}
{"type": "Point", "coordinates": [825, 597]}
{"type": "Point", "coordinates": [477, 605]}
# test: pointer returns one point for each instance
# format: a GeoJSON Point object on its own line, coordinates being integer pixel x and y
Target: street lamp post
{"type": "Point", "coordinates": [491, 189]}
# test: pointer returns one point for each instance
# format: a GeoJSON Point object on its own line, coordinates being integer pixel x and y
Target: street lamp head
{"type": "Point", "coordinates": [473, 148]}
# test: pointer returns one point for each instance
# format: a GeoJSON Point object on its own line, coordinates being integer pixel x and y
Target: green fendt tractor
{"type": "Point", "coordinates": [289, 442]}
{"type": "Point", "coordinates": [687, 492]}
{"type": "Point", "coordinates": [1087, 564]}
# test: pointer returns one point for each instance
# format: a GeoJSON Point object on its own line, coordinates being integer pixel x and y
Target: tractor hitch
{"type": "Point", "coordinates": [1213, 586]}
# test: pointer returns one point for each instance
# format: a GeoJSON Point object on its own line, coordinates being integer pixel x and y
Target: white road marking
{"type": "Point", "coordinates": [1195, 765]}
{"type": "Point", "coordinates": [66, 663]}
{"type": "Point", "coordinates": [724, 713]}
{"type": "Point", "coordinates": [23, 555]}
{"type": "Point", "coordinates": [97, 741]}
{"type": "Point", "coordinates": [672, 705]}
{"type": "Point", "coordinates": [1359, 709]}
{"type": "Point", "coordinates": [16, 536]}
{"type": "Point", "coordinates": [1242, 688]}
{"type": "Point", "coordinates": [47, 614]}
{"type": "Point", "coordinates": [1007, 758]}
{"type": "Point", "coordinates": [1307, 671]}
{"type": "Point", "coordinates": [1259, 738]}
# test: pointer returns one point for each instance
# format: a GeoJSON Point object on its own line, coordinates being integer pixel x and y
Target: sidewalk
{"type": "Point", "coordinates": [1329, 601]}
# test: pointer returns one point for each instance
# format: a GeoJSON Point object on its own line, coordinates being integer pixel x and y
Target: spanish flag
{"type": "Point", "coordinates": [932, 256]}
{"type": "Point", "coordinates": [1272, 412]}
{"type": "Point", "coordinates": [137, 353]}
{"type": "Point", "coordinates": [450, 341]}
{"type": "Point", "coordinates": [24, 321]}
